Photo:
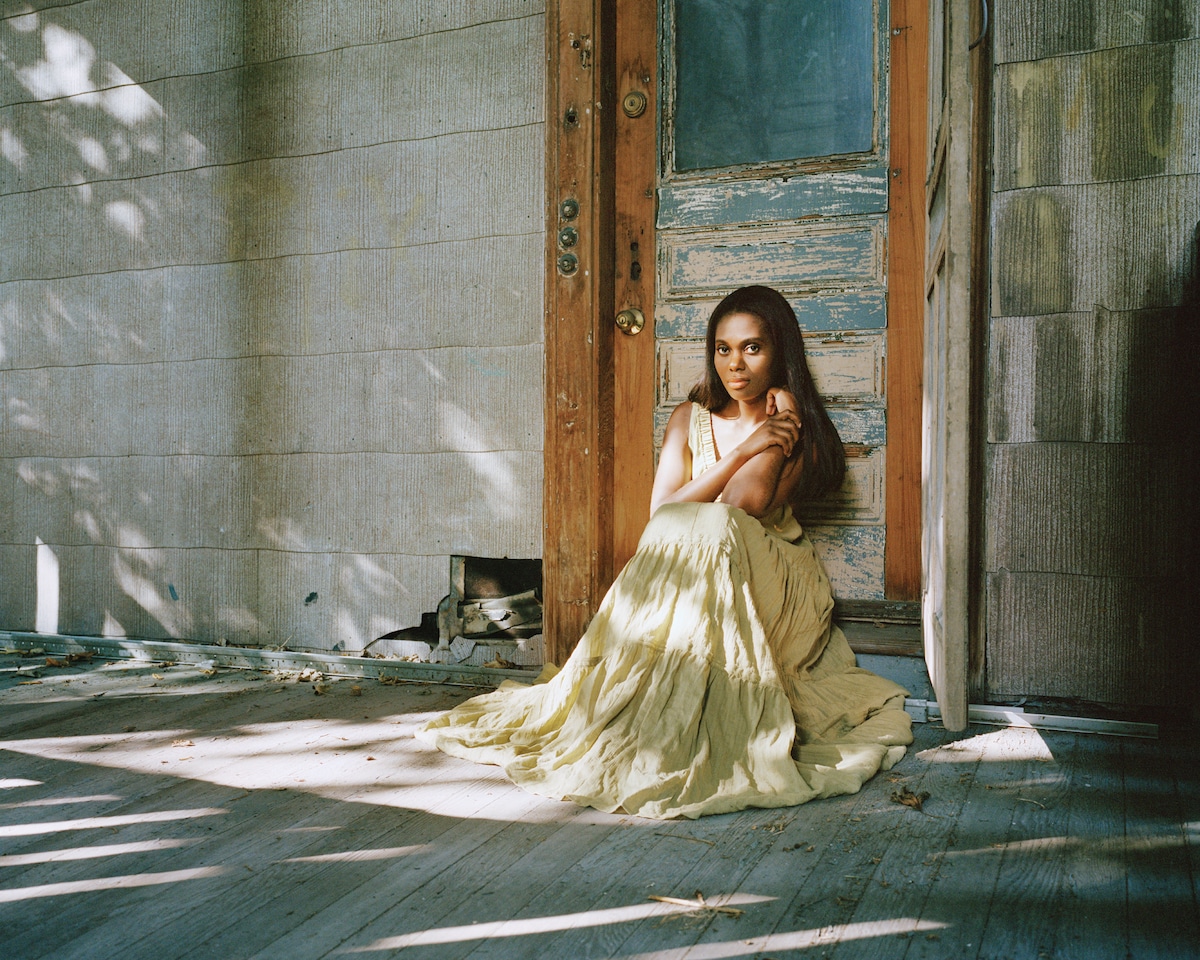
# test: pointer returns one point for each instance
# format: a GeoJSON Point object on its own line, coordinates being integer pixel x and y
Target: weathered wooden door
{"type": "Point", "coordinates": [756, 142]}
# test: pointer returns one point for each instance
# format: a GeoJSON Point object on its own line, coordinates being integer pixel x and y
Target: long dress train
{"type": "Point", "coordinates": [710, 680]}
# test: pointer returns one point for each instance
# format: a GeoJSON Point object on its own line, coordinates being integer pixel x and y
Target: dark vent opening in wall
{"type": "Point", "coordinates": [487, 578]}
{"type": "Point", "coordinates": [492, 614]}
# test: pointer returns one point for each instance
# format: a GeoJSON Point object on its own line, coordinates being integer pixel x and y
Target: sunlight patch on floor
{"type": "Point", "coordinates": [354, 856]}
{"type": "Point", "coordinates": [363, 761]}
{"type": "Point", "coordinates": [796, 940]}
{"type": "Point", "coordinates": [1117, 846]}
{"type": "Point", "coordinates": [94, 823]}
{"type": "Point", "coordinates": [91, 853]}
{"type": "Point", "coordinates": [108, 883]}
{"type": "Point", "coordinates": [553, 924]}
{"type": "Point", "coordinates": [1007, 744]}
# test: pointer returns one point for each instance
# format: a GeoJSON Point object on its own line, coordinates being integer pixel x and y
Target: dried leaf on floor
{"type": "Point", "coordinates": [51, 662]}
{"type": "Point", "coordinates": [82, 656]}
{"type": "Point", "coordinates": [182, 743]}
{"type": "Point", "coordinates": [356, 691]}
{"type": "Point", "coordinates": [320, 688]}
{"type": "Point", "coordinates": [500, 664]}
{"type": "Point", "coordinates": [309, 674]}
{"type": "Point", "coordinates": [910, 799]}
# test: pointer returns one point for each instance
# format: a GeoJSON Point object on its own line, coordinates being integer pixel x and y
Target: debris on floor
{"type": "Point", "coordinates": [699, 904]}
{"type": "Point", "coordinates": [910, 799]}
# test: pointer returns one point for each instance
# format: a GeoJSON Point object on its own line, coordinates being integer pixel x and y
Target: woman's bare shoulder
{"type": "Point", "coordinates": [680, 423]}
{"type": "Point", "coordinates": [682, 412]}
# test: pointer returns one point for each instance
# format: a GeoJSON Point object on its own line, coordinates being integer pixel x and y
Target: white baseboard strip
{"type": "Point", "coordinates": [337, 665]}
{"type": "Point", "coordinates": [923, 711]}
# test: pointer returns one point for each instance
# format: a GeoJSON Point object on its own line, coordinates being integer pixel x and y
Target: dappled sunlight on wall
{"type": "Point", "coordinates": [269, 353]}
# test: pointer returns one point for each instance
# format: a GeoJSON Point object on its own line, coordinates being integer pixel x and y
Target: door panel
{"type": "Point", "coordinates": [796, 257]}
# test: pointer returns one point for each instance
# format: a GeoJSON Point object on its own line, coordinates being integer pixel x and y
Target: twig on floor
{"type": "Point", "coordinates": [699, 904]}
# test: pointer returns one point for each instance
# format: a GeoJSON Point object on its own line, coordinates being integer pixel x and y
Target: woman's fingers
{"type": "Point", "coordinates": [782, 400]}
{"type": "Point", "coordinates": [782, 430]}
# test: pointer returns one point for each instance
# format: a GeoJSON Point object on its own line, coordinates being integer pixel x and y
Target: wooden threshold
{"type": "Point", "coordinates": [890, 639]}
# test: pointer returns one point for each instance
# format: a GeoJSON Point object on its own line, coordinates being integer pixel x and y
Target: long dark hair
{"type": "Point", "coordinates": [820, 446]}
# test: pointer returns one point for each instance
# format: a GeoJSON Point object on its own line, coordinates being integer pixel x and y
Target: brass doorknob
{"type": "Point", "coordinates": [631, 320]}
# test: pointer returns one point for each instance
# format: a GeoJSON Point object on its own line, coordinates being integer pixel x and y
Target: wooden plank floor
{"type": "Point", "coordinates": [151, 811]}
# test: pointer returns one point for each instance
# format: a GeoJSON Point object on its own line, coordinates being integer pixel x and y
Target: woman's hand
{"type": "Point", "coordinates": [780, 429]}
{"type": "Point", "coordinates": [781, 400]}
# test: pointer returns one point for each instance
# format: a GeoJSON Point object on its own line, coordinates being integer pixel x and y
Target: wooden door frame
{"type": "Point", "coordinates": [577, 474]}
{"type": "Point", "coordinates": [582, 519]}
{"type": "Point", "coordinates": [908, 106]}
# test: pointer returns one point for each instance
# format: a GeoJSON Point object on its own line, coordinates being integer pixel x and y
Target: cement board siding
{"type": "Point", "coordinates": [1101, 510]}
{"type": "Point", "coordinates": [1035, 29]}
{"type": "Point", "coordinates": [284, 28]}
{"type": "Point", "coordinates": [1089, 511]}
{"type": "Point", "coordinates": [270, 310]}
{"type": "Point", "coordinates": [1136, 112]}
{"type": "Point", "coordinates": [137, 501]}
{"type": "Point", "coordinates": [251, 502]}
{"type": "Point", "coordinates": [1104, 377]}
{"type": "Point", "coordinates": [400, 401]}
{"type": "Point", "coordinates": [425, 296]}
{"type": "Point", "coordinates": [435, 504]}
{"type": "Point", "coordinates": [199, 36]}
{"type": "Point", "coordinates": [1104, 639]}
{"type": "Point", "coordinates": [359, 596]}
{"type": "Point", "coordinates": [1123, 246]}
{"type": "Point", "coordinates": [348, 97]}
{"type": "Point", "coordinates": [144, 39]}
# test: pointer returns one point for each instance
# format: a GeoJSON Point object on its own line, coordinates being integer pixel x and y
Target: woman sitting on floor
{"type": "Point", "coordinates": [711, 678]}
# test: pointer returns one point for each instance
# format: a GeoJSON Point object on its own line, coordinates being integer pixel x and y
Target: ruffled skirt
{"type": "Point", "coordinates": [710, 680]}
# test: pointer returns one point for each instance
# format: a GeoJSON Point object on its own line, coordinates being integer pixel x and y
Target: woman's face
{"type": "Point", "coordinates": [744, 356]}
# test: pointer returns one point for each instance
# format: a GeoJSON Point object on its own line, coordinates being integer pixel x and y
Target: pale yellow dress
{"type": "Point", "coordinates": [710, 680]}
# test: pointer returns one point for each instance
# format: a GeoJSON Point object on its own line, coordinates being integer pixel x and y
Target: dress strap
{"type": "Point", "coordinates": [700, 439]}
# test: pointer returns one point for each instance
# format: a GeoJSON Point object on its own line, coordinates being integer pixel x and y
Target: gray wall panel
{"type": "Point", "coordinates": [270, 310]}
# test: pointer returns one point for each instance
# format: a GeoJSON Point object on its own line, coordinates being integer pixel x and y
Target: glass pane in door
{"type": "Point", "coordinates": [759, 81]}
